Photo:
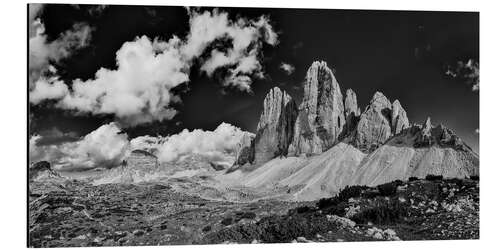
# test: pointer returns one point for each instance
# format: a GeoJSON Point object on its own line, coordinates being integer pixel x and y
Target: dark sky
{"type": "Point", "coordinates": [403, 54]}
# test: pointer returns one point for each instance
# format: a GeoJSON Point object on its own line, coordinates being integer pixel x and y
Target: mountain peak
{"type": "Point", "coordinates": [321, 117]}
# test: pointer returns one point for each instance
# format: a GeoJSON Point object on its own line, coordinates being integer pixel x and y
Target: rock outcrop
{"type": "Point", "coordinates": [141, 160]}
{"type": "Point", "coordinates": [245, 151]}
{"type": "Point", "coordinates": [275, 127]}
{"type": "Point", "coordinates": [321, 118]}
{"type": "Point", "coordinates": [352, 110]}
{"type": "Point", "coordinates": [40, 170]}
{"type": "Point", "coordinates": [428, 135]}
{"type": "Point", "coordinates": [374, 126]}
{"type": "Point", "coordinates": [399, 120]}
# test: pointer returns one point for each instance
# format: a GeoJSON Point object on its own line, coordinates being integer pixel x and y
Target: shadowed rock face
{"type": "Point", "coordinates": [245, 151]}
{"type": "Point", "coordinates": [321, 114]}
{"type": "Point", "coordinates": [41, 169]}
{"type": "Point", "coordinates": [352, 110]}
{"type": "Point", "coordinates": [275, 127]}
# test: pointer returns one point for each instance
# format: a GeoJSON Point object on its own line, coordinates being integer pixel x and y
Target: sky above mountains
{"type": "Point", "coordinates": [159, 70]}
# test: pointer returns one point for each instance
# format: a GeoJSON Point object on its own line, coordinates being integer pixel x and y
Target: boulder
{"type": "Point", "coordinates": [275, 127]}
{"type": "Point", "coordinates": [321, 117]}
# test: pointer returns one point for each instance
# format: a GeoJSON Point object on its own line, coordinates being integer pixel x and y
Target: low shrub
{"type": "Point", "coordinates": [248, 215]}
{"type": "Point", "coordinates": [474, 177]}
{"type": "Point", "coordinates": [432, 177]}
{"type": "Point", "coordinates": [227, 221]}
{"type": "Point", "coordinates": [303, 209]}
{"type": "Point", "coordinates": [343, 196]}
{"type": "Point", "coordinates": [389, 189]}
{"type": "Point", "coordinates": [384, 212]}
{"type": "Point", "coordinates": [413, 178]}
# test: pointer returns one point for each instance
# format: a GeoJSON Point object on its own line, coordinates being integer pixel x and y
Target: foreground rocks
{"type": "Point", "coordinates": [433, 209]}
{"type": "Point", "coordinates": [75, 213]}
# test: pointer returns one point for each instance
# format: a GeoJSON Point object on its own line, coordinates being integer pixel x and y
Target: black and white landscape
{"type": "Point", "coordinates": [157, 125]}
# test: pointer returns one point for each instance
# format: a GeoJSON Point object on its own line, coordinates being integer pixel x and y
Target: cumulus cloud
{"type": "Point", "coordinates": [43, 52]}
{"type": "Point", "coordinates": [104, 147]}
{"type": "Point", "coordinates": [108, 146]}
{"type": "Point", "coordinates": [287, 68]}
{"type": "Point", "coordinates": [138, 91]}
{"type": "Point", "coordinates": [214, 146]}
{"type": "Point", "coordinates": [467, 72]}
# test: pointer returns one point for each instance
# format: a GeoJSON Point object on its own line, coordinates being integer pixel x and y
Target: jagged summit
{"type": "Point", "coordinates": [275, 127]}
{"type": "Point", "coordinates": [344, 145]}
{"type": "Point", "coordinates": [321, 117]}
{"type": "Point", "coordinates": [399, 120]}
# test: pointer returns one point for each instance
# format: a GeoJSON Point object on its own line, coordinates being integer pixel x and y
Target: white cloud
{"type": "Point", "coordinates": [287, 68]}
{"type": "Point", "coordinates": [107, 147]}
{"type": "Point", "coordinates": [138, 91]}
{"type": "Point", "coordinates": [104, 147]}
{"type": "Point", "coordinates": [215, 146]}
{"type": "Point", "coordinates": [45, 88]}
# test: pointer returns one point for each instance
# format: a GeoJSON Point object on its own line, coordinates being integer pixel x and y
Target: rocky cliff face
{"type": "Point", "coordinates": [321, 114]}
{"type": "Point", "coordinates": [374, 126]}
{"type": "Point", "coordinates": [275, 127]}
{"type": "Point", "coordinates": [41, 170]}
{"type": "Point", "coordinates": [245, 151]}
{"type": "Point", "coordinates": [399, 120]}
{"type": "Point", "coordinates": [428, 135]}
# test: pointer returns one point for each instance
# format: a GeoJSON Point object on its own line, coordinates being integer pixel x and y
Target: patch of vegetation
{"type": "Point", "coordinates": [413, 178]}
{"type": "Point", "coordinates": [382, 212]}
{"type": "Point", "coordinates": [389, 189]}
{"type": "Point", "coordinates": [432, 177]}
{"type": "Point", "coordinates": [247, 215]}
{"type": "Point", "coordinates": [227, 221]}
{"type": "Point", "coordinates": [343, 196]}
{"type": "Point", "coordinates": [474, 177]}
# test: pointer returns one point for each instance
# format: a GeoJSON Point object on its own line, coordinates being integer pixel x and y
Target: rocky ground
{"type": "Point", "coordinates": [430, 209]}
{"type": "Point", "coordinates": [74, 213]}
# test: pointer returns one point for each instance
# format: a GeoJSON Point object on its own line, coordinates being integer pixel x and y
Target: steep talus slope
{"type": "Point", "coordinates": [325, 174]}
{"type": "Point", "coordinates": [338, 145]}
{"type": "Point", "coordinates": [418, 151]}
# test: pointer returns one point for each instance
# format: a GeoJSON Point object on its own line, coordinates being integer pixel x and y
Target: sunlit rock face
{"type": "Point", "coordinates": [399, 120]}
{"type": "Point", "coordinates": [374, 126]}
{"type": "Point", "coordinates": [275, 127]}
{"type": "Point", "coordinates": [321, 117]}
